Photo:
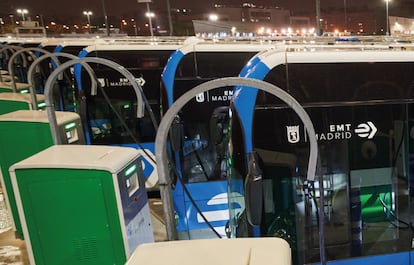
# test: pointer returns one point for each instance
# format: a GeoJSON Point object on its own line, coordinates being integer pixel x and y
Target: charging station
{"type": "Point", "coordinates": [235, 251]}
{"type": "Point", "coordinates": [6, 78]}
{"type": "Point", "coordinates": [20, 87]}
{"type": "Point", "coordinates": [10, 102]}
{"type": "Point", "coordinates": [82, 204]}
{"type": "Point", "coordinates": [24, 133]}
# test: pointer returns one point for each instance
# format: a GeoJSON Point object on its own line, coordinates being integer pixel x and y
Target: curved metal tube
{"type": "Point", "coordinates": [52, 79]}
{"type": "Point", "coordinates": [10, 48]}
{"type": "Point", "coordinates": [11, 60]}
{"type": "Point", "coordinates": [163, 129]}
{"type": "Point", "coordinates": [54, 57]}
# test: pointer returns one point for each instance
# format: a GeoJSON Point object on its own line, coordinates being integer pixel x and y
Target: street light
{"type": "Point", "coordinates": [88, 14]}
{"type": "Point", "coordinates": [135, 26]}
{"type": "Point", "coordinates": [123, 24]}
{"type": "Point", "coordinates": [213, 17]}
{"type": "Point", "coordinates": [40, 17]}
{"type": "Point", "coordinates": [22, 12]}
{"type": "Point", "coordinates": [387, 17]}
{"type": "Point", "coordinates": [148, 14]}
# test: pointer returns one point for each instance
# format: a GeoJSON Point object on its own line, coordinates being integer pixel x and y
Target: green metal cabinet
{"type": "Point", "coordinates": [20, 87]}
{"type": "Point", "coordinates": [82, 204]}
{"type": "Point", "coordinates": [10, 102]}
{"type": "Point", "coordinates": [24, 133]}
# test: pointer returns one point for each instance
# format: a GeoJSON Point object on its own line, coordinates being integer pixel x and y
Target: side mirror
{"type": "Point", "coordinates": [176, 134]}
{"type": "Point", "coordinates": [254, 191]}
{"type": "Point", "coordinates": [218, 121]}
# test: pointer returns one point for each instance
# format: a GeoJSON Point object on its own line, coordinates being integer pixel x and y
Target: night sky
{"type": "Point", "coordinates": [73, 8]}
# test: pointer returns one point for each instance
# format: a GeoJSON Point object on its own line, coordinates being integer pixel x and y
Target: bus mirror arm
{"type": "Point", "coordinates": [254, 191]}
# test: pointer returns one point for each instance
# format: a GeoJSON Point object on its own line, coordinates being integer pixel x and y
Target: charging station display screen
{"type": "Point", "coordinates": [131, 180]}
{"type": "Point", "coordinates": [131, 183]}
{"type": "Point", "coordinates": [71, 132]}
{"type": "Point", "coordinates": [135, 204]}
{"type": "Point", "coordinates": [68, 135]}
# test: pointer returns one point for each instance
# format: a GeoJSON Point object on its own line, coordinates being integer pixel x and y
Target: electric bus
{"type": "Point", "coordinates": [145, 59]}
{"type": "Point", "coordinates": [199, 159]}
{"type": "Point", "coordinates": [200, 183]}
{"type": "Point", "coordinates": [360, 100]}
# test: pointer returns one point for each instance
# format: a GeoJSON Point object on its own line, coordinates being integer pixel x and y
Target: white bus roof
{"type": "Point", "coordinates": [272, 58]}
{"type": "Point", "coordinates": [136, 43]}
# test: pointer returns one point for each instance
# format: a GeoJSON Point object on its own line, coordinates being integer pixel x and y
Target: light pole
{"type": "Point", "coordinates": [149, 14]}
{"type": "Point", "coordinates": [387, 17]}
{"type": "Point", "coordinates": [345, 17]}
{"type": "Point", "coordinates": [88, 14]}
{"type": "Point", "coordinates": [169, 18]}
{"type": "Point", "coordinates": [106, 18]}
{"type": "Point", "coordinates": [1, 25]}
{"type": "Point", "coordinates": [22, 12]}
{"type": "Point", "coordinates": [318, 17]}
{"type": "Point", "coordinates": [123, 24]}
{"type": "Point", "coordinates": [135, 26]}
{"type": "Point", "coordinates": [41, 21]}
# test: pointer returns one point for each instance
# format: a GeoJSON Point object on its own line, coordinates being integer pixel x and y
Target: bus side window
{"type": "Point", "coordinates": [372, 90]}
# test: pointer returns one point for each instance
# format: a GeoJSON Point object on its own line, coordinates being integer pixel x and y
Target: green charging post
{"type": "Point", "coordinates": [27, 132]}
{"type": "Point", "coordinates": [82, 204]}
{"type": "Point", "coordinates": [10, 102]}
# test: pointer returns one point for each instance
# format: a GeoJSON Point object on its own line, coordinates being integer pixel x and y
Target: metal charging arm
{"type": "Point", "coordinates": [165, 181]}
{"type": "Point", "coordinates": [54, 57]}
{"type": "Point", "coordinates": [13, 57]}
{"type": "Point", "coordinates": [8, 48]}
{"type": "Point", "coordinates": [53, 77]}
